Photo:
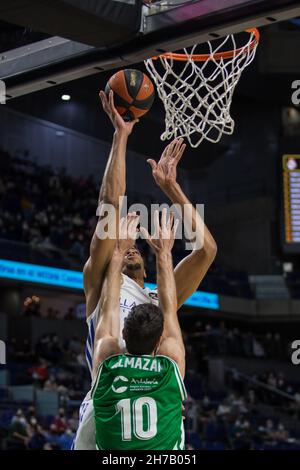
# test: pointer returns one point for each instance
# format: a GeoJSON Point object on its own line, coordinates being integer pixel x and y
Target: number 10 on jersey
{"type": "Point", "coordinates": [133, 414]}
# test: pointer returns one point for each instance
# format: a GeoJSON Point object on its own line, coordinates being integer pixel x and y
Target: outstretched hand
{"type": "Point", "coordinates": [165, 171]}
{"type": "Point", "coordinates": [127, 232]}
{"type": "Point", "coordinates": [117, 121]}
{"type": "Point", "coordinates": [164, 236]}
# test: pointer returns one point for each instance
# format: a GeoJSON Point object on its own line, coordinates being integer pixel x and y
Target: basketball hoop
{"type": "Point", "coordinates": [197, 89]}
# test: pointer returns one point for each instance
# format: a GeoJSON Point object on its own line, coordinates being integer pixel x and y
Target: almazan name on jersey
{"type": "Point", "coordinates": [142, 363]}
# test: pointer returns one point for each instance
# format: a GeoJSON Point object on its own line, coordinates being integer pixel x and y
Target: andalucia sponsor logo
{"type": "Point", "coordinates": [142, 384]}
{"type": "Point", "coordinates": [121, 384]}
{"type": "Point", "coordinates": [117, 386]}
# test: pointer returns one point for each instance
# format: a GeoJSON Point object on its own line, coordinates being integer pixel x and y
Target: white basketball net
{"type": "Point", "coordinates": [197, 95]}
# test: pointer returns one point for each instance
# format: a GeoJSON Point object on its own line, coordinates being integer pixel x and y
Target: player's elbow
{"type": "Point", "coordinates": [209, 249]}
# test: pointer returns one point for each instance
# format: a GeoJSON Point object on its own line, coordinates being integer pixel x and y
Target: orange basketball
{"type": "Point", "coordinates": [133, 93]}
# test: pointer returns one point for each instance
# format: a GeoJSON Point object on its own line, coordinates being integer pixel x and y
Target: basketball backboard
{"type": "Point", "coordinates": [73, 47]}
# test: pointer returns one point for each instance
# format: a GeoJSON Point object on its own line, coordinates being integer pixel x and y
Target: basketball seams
{"type": "Point", "coordinates": [145, 88]}
{"type": "Point", "coordinates": [133, 93]}
{"type": "Point", "coordinates": [143, 104]}
{"type": "Point", "coordinates": [137, 112]}
{"type": "Point", "coordinates": [119, 86]}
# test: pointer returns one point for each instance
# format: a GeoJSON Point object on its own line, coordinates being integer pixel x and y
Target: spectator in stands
{"type": "Point", "coordinates": [206, 403]}
{"type": "Point", "coordinates": [258, 350]}
{"type": "Point", "coordinates": [32, 307]}
{"type": "Point", "coordinates": [281, 434]}
{"type": "Point", "coordinates": [272, 380]}
{"type": "Point", "coordinates": [31, 413]}
{"type": "Point", "coordinates": [251, 397]}
{"type": "Point", "coordinates": [70, 315]}
{"type": "Point", "coordinates": [18, 432]}
{"type": "Point", "coordinates": [81, 359]}
{"type": "Point", "coordinates": [72, 422]}
{"type": "Point", "coordinates": [66, 439]}
{"type": "Point", "coordinates": [75, 346]}
{"type": "Point", "coordinates": [50, 385]}
{"type": "Point", "coordinates": [60, 421]}
{"type": "Point", "coordinates": [55, 349]}
{"type": "Point", "coordinates": [236, 404]}
{"type": "Point", "coordinates": [268, 429]}
{"type": "Point", "coordinates": [247, 344]}
{"type": "Point", "coordinates": [49, 348]}
{"type": "Point", "coordinates": [52, 436]}
{"type": "Point", "coordinates": [189, 447]}
{"type": "Point", "coordinates": [191, 414]}
{"type": "Point", "coordinates": [39, 373]}
{"type": "Point", "coordinates": [48, 446]}
{"type": "Point", "coordinates": [37, 438]}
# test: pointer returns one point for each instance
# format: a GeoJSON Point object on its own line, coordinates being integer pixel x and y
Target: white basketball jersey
{"type": "Point", "coordinates": [131, 294]}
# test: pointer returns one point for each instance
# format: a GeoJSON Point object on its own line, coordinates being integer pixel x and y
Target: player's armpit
{"type": "Point", "coordinates": [174, 349]}
{"type": "Point", "coordinates": [191, 270]}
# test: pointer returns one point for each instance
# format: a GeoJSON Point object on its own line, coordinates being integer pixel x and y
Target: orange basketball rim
{"type": "Point", "coordinates": [216, 55]}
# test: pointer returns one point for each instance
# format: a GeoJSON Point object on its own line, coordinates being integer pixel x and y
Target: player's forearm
{"type": "Point", "coordinates": [114, 180]}
{"type": "Point", "coordinates": [166, 283]}
{"type": "Point", "coordinates": [111, 300]}
{"type": "Point", "coordinates": [112, 188]}
{"type": "Point", "coordinates": [195, 229]}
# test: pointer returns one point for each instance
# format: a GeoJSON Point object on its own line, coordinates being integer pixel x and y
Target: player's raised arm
{"type": "Point", "coordinates": [112, 188]}
{"type": "Point", "coordinates": [192, 269]}
{"type": "Point", "coordinates": [108, 328]}
{"type": "Point", "coordinates": [162, 243]}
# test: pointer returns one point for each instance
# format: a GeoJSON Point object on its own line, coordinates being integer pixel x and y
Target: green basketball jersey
{"type": "Point", "coordinates": [138, 404]}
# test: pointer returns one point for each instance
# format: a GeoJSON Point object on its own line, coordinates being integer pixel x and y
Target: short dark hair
{"type": "Point", "coordinates": [143, 328]}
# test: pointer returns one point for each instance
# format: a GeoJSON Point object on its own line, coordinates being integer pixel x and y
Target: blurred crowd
{"type": "Point", "coordinates": [271, 388]}
{"type": "Point", "coordinates": [235, 422]}
{"type": "Point", "coordinates": [27, 430]}
{"type": "Point", "coordinates": [51, 364]}
{"type": "Point", "coordinates": [47, 209]}
{"type": "Point", "coordinates": [32, 308]}
{"type": "Point", "coordinates": [207, 339]}
{"type": "Point", "coordinates": [54, 214]}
